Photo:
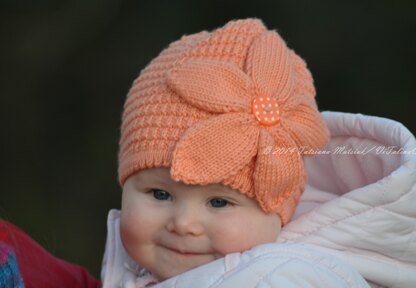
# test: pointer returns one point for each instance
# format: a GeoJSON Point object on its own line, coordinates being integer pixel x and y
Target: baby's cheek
{"type": "Point", "coordinates": [133, 228]}
{"type": "Point", "coordinates": [128, 234]}
{"type": "Point", "coordinates": [235, 237]}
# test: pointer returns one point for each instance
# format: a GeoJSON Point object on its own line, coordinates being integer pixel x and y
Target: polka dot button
{"type": "Point", "coordinates": [266, 110]}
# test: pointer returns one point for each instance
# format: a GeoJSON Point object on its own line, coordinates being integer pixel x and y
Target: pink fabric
{"type": "Point", "coordinates": [359, 203]}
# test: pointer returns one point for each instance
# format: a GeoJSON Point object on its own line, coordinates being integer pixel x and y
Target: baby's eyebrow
{"type": "Point", "coordinates": [222, 190]}
{"type": "Point", "coordinates": [154, 182]}
{"type": "Point", "coordinates": [159, 181]}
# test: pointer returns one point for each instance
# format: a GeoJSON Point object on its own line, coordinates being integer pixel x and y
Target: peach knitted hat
{"type": "Point", "coordinates": [213, 104]}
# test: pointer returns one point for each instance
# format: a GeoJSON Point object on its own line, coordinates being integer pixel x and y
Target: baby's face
{"type": "Point", "coordinates": [169, 227]}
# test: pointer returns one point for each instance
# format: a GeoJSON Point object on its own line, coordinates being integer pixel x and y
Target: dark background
{"type": "Point", "coordinates": [66, 66]}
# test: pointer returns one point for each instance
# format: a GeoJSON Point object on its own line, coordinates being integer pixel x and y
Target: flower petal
{"type": "Point", "coordinates": [212, 85]}
{"type": "Point", "coordinates": [215, 149]}
{"type": "Point", "coordinates": [269, 65]}
{"type": "Point", "coordinates": [279, 174]}
{"type": "Point", "coordinates": [306, 127]}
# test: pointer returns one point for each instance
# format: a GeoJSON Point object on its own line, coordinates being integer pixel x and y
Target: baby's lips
{"type": "Point", "coordinates": [186, 249]}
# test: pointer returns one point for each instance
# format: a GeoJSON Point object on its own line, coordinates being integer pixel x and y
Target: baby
{"type": "Point", "coordinates": [200, 188]}
{"type": "Point", "coordinates": [212, 167]}
{"type": "Point", "coordinates": [170, 227]}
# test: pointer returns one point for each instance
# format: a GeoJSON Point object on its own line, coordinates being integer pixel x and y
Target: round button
{"type": "Point", "coordinates": [266, 110]}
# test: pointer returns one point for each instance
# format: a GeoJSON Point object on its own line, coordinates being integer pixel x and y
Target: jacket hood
{"type": "Point", "coordinates": [360, 201]}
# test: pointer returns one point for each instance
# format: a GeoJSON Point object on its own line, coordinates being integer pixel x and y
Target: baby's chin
{"type": "Point", "coordinates": [164, 273]}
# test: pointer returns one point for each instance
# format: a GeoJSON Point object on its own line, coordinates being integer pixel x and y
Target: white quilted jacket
{"type": "Point", "coordinates": [356, 217]}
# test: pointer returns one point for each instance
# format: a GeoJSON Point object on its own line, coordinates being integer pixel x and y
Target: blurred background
{"type": "Point", "coordinates": [66, 66]}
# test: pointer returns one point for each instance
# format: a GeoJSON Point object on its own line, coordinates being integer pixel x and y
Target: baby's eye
{"type": "Point", "coordinates": [218, 202]}
{"type": "Point", "coordinates": [161, 194]}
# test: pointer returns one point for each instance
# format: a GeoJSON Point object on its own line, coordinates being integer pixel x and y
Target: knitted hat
{"type": "Point", "coordinates": [232, 106]}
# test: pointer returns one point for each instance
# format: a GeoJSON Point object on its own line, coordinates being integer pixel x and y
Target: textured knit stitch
{"type": "Point", "coordinates": [191, 109]}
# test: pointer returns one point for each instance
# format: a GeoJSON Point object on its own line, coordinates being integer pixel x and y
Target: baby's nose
{"type": "Point", "coordinates": [185, 220]}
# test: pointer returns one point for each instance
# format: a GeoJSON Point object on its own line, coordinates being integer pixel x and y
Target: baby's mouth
{"type": "Point", "coordinates": [185, 252]}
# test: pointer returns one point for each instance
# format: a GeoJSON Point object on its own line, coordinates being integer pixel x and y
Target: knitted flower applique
{"type": "Point", "coordinates": [253, 110]}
